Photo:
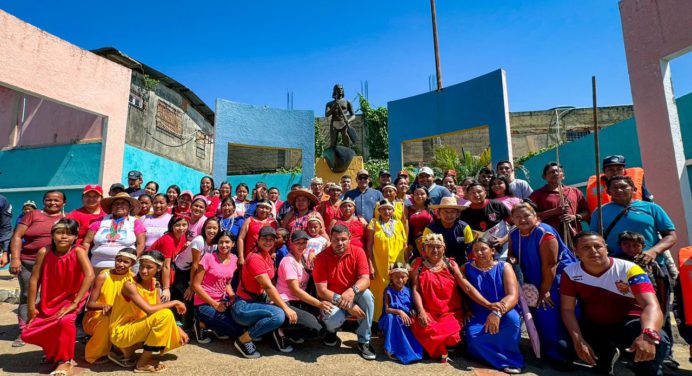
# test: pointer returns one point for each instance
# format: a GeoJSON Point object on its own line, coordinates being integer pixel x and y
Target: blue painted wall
{"type": "Point", "coordinates": [161, 170]}
{"type": "Point", "coordinates": [281, 181]}
{"type": "Point", "coordinates": [578, 157]}
{"type": "Point", "coordinates": [467, 105]}
{"type": "Point", "coordinates": [245, 124]}
{"type": "Point", "coordinates": [50, 166]}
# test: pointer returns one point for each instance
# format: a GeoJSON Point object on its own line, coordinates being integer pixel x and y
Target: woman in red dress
{"type": "Point", "coordinates": [419, 216]}
{"type": "Point", "coordinates": [356, 225]}
{"type": "Point", "coordinates": [434, 281]}
{"type": "Point", "coordinates": [63, 274]}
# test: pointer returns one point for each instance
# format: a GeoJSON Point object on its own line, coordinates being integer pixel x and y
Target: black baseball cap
{"type": "Point", "coordinates": [299, 234]}
{"type": "Point", "coordinates": [116, 186]}
{"type": "Point", "coordinates": [614, 160]}
{"type": "Point", "coordinates": [385, 172]}
{"type": "Point", "coordinates": [266, 231]}
{"type": "Point", "coordinates": [134, 175]}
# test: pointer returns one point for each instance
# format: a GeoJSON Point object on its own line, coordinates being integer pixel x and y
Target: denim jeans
{"type": "Point", "coordinates": [260, 318]}
{"type": "Point", "coordinates": [220, 322]}
{"type": "Point", "coordinates": [24, 277]}
{"type": "Point", "coordinates": [338, 316]}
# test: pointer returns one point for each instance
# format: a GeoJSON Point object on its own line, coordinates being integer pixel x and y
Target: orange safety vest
{"type": "Point", "coordinates": [685, 262]}
{"type": "Point", "coordinates": [637, 175]}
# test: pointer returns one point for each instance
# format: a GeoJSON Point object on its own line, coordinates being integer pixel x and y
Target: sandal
{"type": "Point", "coordinates": [64, 372]}
{"type": "Point", "coordinates": [512, 370]}
{"type": "Point", "coordinates": [122, 362]}
{"type": "Point", "coordinates": [18, 342]}
{"type": "Point", "coordinates": [152, 369]}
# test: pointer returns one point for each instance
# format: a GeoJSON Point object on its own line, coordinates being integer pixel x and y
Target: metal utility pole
{"type": "Point", "coordinates": [597, 152]}
{"type": "Point", "coordinates": [437, 47]}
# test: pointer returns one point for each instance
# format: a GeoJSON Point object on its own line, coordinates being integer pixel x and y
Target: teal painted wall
{"type": "Point", "coordinates": [578, 158]}
{"type": "Point", "coordinates": [281, 181]}
{"type": "Point", "coordinates": [50, 166]}
{"type": "Point", "coordinates": [161, 170]}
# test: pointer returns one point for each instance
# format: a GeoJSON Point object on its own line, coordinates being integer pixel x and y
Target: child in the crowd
{"type": "Point", "coordinates": [214, 294]}
{"type": "Point", "coordinates": [62, 273]}
{"type": "Point", "coordinates": [97, 319]}
{"type": "Point", "coordinates": [281, 247]}
{"type": "Point", "coordinates": [139, 319]}
{"type": "Point", "coordinates": [317, 243]}
{"type": "Point", "coordinates": [632, 245]}
{"type": "Point", "coordinates": [395, 322]}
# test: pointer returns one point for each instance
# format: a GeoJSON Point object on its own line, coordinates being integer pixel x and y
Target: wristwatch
{"type": "Point", "coordinates": [336, 299]}
{"type": "Point", "coordinates": [652, 335]}
{"type": "Point", "coordinates": [355, 289]}
{"type": "Point", "coordinates": [497, 313]}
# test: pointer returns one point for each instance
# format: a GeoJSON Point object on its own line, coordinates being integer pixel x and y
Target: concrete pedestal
{"type": "Point", "coordinates": [323, 171]}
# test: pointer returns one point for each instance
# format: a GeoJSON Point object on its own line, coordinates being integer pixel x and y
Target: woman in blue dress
{"type": "Point", "coordinates": [493, 336]}
{"type": "Point", "coordinates": [395, 322]}
{"type": "Point", "coordinates": [542, 256]}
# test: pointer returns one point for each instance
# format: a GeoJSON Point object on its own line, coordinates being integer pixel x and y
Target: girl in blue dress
{"type": "Point", "coordinates": [493, 336]}
{"type": "Point", "coordinates": [395, 322]}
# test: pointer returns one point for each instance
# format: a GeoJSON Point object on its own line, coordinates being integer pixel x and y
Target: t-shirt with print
{"type": "Point", "coordinates": [217, 276]}
{"type": "Point", "coordinates": [110, 236]}
{"type": "Point", "coordinates": [485, 217]}
{"type": "Point", "coordinates": [291, 269]}
{"type": "Point", "coordinates": [608, 298]}
{"type": "Point", "coordinates": [156, 227]}
{"type": "Point", "coordinates": [184, 259]}
{"type": "Point", "coordinates": [255, 264]}
{"type": "Point", "coordinates": [315, 246]}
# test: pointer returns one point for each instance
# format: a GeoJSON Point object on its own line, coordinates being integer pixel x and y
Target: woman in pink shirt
{"type": "Point", "coordinates": [292, 283]}
{"type": "Point", "coordinates": [214, 294]}
{"type": "Point", "coordinates": [197, 217]}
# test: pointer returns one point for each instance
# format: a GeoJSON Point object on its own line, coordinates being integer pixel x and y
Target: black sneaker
{"type": "Point", "coordinates": [217, 335]}
{"type": "Point", "coordinates": [671, 363]}
{"type": "Point", "coordinates": [330, 339]}
{"type": "Point", "coordinates": [200, 333]}
{"type": "Point", "coordinates": [297, 341]}
{"type": "Point", "coordinates": [247, 350]}
{"type": "Point", "coordinates": [366, 351]}
{"type": "Point", "coordinates": [280, 341]}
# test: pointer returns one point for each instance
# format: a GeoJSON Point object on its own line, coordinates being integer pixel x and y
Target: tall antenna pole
{"type": "Point", "coordinates": [597, 150]}
{"type": "Point", "coordinates": [437, 47]}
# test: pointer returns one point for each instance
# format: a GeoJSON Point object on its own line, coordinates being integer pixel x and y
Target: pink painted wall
{"type": "Point", "coordinates": [44, 65]}
{"type": "Point", "coordinates": [655, 32]}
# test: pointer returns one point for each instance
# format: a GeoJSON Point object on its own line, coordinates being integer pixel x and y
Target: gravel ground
{"type": "Point", "coordinates": [311, 358]}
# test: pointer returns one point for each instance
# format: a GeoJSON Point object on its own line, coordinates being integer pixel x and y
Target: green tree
{"type": "Point", "coordinates": [320, 141]}
{"type": "Point", "coordinates": [376, 129]}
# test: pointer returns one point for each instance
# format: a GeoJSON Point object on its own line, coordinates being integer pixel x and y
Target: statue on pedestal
{"type": "Point", "coordinates": [339, 113]}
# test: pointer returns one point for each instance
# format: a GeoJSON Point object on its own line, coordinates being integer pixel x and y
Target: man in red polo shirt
{"type": "Point", "coordinates": [342, 277]}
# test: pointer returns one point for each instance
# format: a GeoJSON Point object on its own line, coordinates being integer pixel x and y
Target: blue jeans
{"type": "Point", "coordinates": [220, 322]}
{"type": "Point", "coordinates": [261, 318]}
{"type": "Point", "coordinates": [338, 316]}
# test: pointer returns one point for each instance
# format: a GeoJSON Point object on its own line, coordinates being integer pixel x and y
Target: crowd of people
{"type": "Point", "coordinates": [430, 263]}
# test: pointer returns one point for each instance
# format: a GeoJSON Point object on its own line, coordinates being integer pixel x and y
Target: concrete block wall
{"type": "Point", "coordinates": [161, 170]}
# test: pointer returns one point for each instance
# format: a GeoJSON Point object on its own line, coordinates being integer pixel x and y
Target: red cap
{"type": "Point", "coordinates": [403, 173]}
{"type": "Point", "coordinates": [93, 188]}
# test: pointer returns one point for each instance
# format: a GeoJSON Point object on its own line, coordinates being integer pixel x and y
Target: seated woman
{"type": "Point", "coordinates": [434, 281]}
{"type": "Point", "coordinates": [492, 336]}
{"type": "Point", "coordinates": [251, 308]}
{"type": "Point", "coordinates": [63, 274]}
{"type": "Point", "coordinates": [214, 294]}
{"type": "Point", "coordinates": [395, 321]}
{"type": "Point", "coordinates": [292, 284]}
{"type": "Point", "coordinates": [542, 256]}
{"type": "Point", "coordinates": [140, 320]}
{"type": "Point", "coordinates": [97, 319]}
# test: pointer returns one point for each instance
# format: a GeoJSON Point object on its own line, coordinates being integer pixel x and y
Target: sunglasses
{"type": "Point", "coordinates": [363, 177]}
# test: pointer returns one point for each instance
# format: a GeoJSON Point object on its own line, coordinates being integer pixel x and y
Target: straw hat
{"type": "Point", "coordinates": [448, 203]}
{"type": "Point", "coordinates": [291, 198]}
{"type": "Point", "coordinates": [107, 203]}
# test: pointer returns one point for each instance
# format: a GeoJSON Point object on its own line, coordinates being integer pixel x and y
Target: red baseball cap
{"type": "Point", "coordinates": [93, 188]}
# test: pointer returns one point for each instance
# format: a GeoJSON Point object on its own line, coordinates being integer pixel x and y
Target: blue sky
{"type": "Point", "coordinates": [254, 51]}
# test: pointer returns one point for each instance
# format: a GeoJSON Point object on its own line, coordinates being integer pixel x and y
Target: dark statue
{"type": "Point", "coordinates": [339, 113]}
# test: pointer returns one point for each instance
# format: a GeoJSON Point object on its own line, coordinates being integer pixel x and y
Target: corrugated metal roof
{"type": "Point", "coordinates": [196, 102]}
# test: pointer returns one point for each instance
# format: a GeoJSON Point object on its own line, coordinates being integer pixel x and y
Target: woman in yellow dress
{"type": "Point", "coordinates": [97, 319]}
{"type": "Point", "coordinates": [139, 319]}
{"type": "Point", "coordinates": [386, 244]}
